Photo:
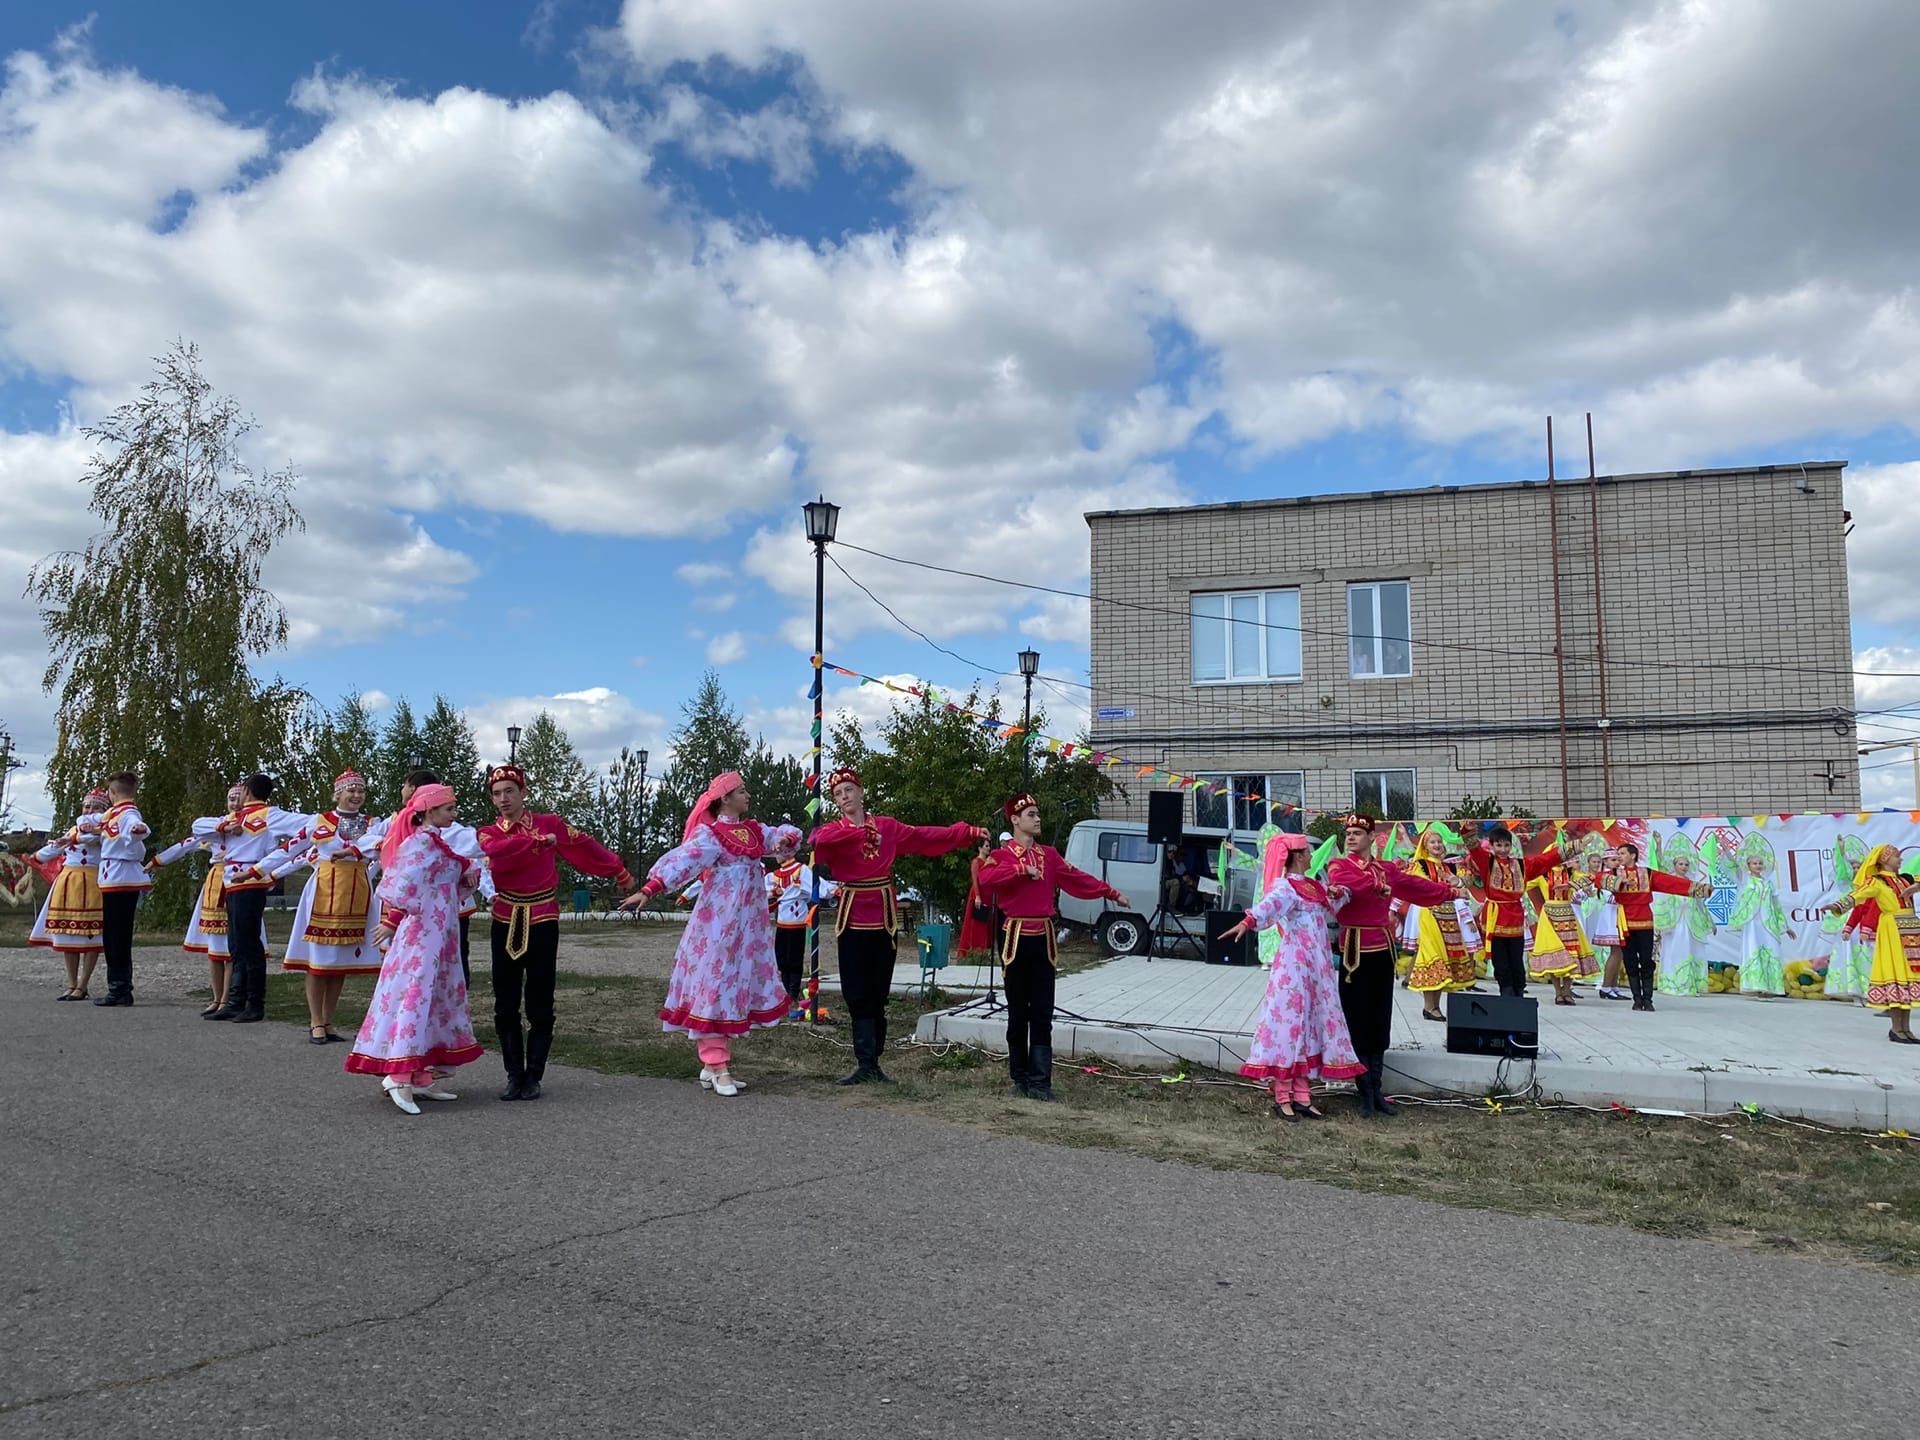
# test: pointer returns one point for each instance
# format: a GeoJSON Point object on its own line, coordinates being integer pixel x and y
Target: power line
{"type": "Point", "coordinates": [1507, 652]}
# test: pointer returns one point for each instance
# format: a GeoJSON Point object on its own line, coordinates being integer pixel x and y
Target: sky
{"type": "Point", "coordinates": [563, 309]}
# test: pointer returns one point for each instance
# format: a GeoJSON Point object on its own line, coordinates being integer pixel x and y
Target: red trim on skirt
{"type": "Point", "coordinates": [1303, 1070]}
{"type": "Point", "coordinates": [683, 1018]}
{"type": "Point", "coordinates": [308, 968]}
{"type": "Point", "coordinates": [440, 1055]}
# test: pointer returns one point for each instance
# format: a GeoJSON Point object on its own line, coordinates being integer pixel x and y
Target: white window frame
{"type": "Point", "coordinates": [1235, 797]}
{"type": "Point", "coordinates": [1269, 628]}
{"type": "Point", "coordinates": [1373, 588]}
{"type": "Point", "coordinates": [1413, 782]}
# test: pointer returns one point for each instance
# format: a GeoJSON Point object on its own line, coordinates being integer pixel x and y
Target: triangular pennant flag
{"type": "Point", "coordinates": [1323, 854]}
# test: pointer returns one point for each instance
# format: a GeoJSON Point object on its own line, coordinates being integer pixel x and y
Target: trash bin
{"type": "Point", "coordinates": [582, 897]}
{"type": "Point", "coordinates": [936, 945]}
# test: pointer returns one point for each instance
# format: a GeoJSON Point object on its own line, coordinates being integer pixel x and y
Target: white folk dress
{"type": "Point", "coordinates": [725, 979]}
{"type": "Point", "coordinates": [334, 924]}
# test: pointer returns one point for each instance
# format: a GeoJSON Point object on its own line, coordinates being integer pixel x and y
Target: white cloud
{"type": "Point", "coordinates": [1887, 693]}
{"type": "Point", "coordinates": [1885, 503]}
{"type": "Point", "coordinates": [374, 701]}
{"type": "Point", "coordinates": [597, 719]}
{"type": "Point", "coordinates": [726, 649]}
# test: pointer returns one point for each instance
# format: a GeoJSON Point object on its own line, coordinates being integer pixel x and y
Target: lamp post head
{"type": "Point", "coordinates": [1029, 663]}
{"type": "Point", "coordinates": [643, 762]}
{"type": "Point", "coordinates": [823, 519]}
{"type": "Point", "coordinates": [513, 734]}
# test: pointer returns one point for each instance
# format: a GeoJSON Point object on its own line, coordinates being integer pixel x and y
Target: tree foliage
{"type": "Point", "coordinates": [557, 779]}
{"type": "Point", "coordinates": [150, 627]}
{"type": "Point", "coordinates": [447, 748]}
{"type": "Point", "coordinates": [1487, 807]}
{"type": "Point", "coordinates": [399, 751]}
{"type": "Point", "coordinates": [932, 765]}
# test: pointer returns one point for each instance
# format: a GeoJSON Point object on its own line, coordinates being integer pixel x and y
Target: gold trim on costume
{"type": "Point", "coordinates": [520, 917]}
{"type": "Point", "coordinates": [1017, 928]}
{"type": "Point", "coordinates": [843, 912]}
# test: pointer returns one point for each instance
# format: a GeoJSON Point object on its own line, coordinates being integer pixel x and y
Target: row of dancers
{"type": "Point", "coordinates": [391, 897]}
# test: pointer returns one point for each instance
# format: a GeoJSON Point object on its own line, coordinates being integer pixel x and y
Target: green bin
{"type": "Point", "coordinates": [936, 945]}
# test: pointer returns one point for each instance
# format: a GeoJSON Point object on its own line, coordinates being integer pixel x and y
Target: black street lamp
{"type": "Point", "coordinates": [643, 800]}
{"type": "Point", "coordinates": [513, 743]}
{"type": "Point", "coordinates": [823, 521]}
{"type": "Point", "coordinates": [1029, 667]}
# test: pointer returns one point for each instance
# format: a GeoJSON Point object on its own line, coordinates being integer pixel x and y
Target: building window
{"type": "Point", "coordinates": [1244, 637]}
{"type": "Point", "coordinates": [1384, 794]}
{"type": "Point", "coordinates": [1251, 801]}
{"type": "Point", "coordinates": [1380, 629]}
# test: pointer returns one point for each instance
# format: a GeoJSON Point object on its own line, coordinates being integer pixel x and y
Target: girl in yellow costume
{"type": "Point", "coordinates": [70, 920]}
{"type": "Point", "coordinates": [1561, 951]}
{"type": "Point", "coordinates": [1894, 983]}
{"type": "Point", "coordinates": [1443, 940]}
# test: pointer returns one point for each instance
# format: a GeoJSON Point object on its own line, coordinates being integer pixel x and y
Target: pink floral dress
{"type": "Point", "coordinates": [418, 1018]}
{"type": "Point", "coordinates": [1302, 1031]}
{"type": "Point", "coordinates": [725, 979]}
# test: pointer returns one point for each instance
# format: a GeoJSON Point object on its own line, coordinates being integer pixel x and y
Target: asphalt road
{"type": "Point", "coordinates": [215, 1231]}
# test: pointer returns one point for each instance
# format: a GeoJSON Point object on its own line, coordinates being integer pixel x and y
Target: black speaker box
{"type": "Point", "coordinates": [1244, 951]}
{"type": "Point", "coordinates": [1166, 816]}
{"type": "Point", "coordinates": [1493, 1024]}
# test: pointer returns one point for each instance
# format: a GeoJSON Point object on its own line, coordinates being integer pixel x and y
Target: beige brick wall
{"type": "Point", "coordinates": [1702, 572]}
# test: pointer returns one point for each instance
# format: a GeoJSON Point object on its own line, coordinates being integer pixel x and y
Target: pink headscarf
{"type": "Point", "coordinates": [718, 789]}
{"type": "Point", "coordinates": [403, 825]}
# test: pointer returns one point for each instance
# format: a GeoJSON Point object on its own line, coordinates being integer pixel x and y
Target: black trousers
{"type": "Point", "coordinates": [466, 967]}
{"type": "Point", "coordinates": [116, 939]}
{"type": "Point", "coordinates": [1510, 964]}
{"type": "Point", "coordinates": [246, 911]}
{"type": "Point", "coordinates": [866, 976]}
{"type": "Point", "coordinates": [1030, 980]}
{"type": "Point", "coordinates": [532, 976]}
{"type": "Point", "coordinates": [1636, 953]}
{"type": "Point", "coordinates": [1366, 997]}
{"type": "Point", "coordinates": [790, 951]}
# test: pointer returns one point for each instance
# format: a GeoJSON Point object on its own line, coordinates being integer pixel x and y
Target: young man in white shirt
{"type": "Point", "coordinates": [123, 880]}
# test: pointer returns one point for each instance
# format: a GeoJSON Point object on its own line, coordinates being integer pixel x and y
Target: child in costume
{"type": "Point", "coordinates": [725, 978]}
{"type": "Point", "coordinates": [69, 920]}
{"type": "Point", "coordinates": [1762, 922]}
{"type": "Point", "coordinates": [1561, 951]}
{"type": "Point", "coordinates": [417, 1028]}
{"type": "Point", "coordinates": [1443, 940]}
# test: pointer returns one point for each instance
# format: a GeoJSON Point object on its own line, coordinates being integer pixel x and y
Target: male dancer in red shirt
{"type": "Point", "coordinates": [523, 851]}
{"type": "Point", "coordinates": [1634, 887]}
{"type": "Point", "coordinates": [858, 850]}
{"type": "Point", "coordinates": [1025, 879]}
{"type": "Point", "coordinates": [1366, 948]}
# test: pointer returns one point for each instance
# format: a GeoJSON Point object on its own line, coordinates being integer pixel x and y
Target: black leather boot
{"type": "Point", "coordinates": [236, 1000]}
{"type": "Point", "coordinates": [1376, 1074]}
{"type": "Point", "coordinates": [539, 1045]}
{"type": "Point", "coordinates": [879, 1047]}
{"type": "Point", "coordinates": [513, 1055]}
{"type": "Point", "coordinates": [1019, 1068]}
{"type": "Point", "coordinates": [254, 1008]}
{"type": "Point", "coordinates": [865, 1063]}
{"type": "Point", "coordinates": [1040, 1085]}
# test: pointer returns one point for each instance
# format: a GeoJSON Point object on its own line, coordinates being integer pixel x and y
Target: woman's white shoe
{"type": "Point", "coordinates": [433, 1092]}
{"type": "Point", "coordinates": [725, 1084]}
{"type": "Point", "coordinates": [401, 1095]}
{"type": "Point", "coordinates": [707, 1074]}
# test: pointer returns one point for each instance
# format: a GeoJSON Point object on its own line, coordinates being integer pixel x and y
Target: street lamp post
{"type": "Point", "coordinates": [643, 802]}
{"type": "Point", "coordinates": [1029, 667]}
{"type": "Point", "coordinates": [513, 744]}
{"type": "Point", "coordinates": [6, 767]}
{"type": "Point", "coordinates": [823, 520]}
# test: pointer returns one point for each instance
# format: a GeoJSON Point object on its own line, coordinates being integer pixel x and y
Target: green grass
{"type": "Point", "coordinates": [1752, 1183]}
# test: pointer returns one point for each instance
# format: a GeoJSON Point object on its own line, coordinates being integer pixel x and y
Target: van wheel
{"type": "Point", "coordinates": [1121, 934]}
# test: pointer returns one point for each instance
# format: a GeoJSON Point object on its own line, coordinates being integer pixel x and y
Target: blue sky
{"type": "Point", "coordinates": [670, 269]}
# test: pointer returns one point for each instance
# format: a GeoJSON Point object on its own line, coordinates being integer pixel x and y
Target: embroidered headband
{"type": "Point", "coordinates": [845, 775]}
{"type": "Point", "coordinates": [348, 776]}
{"type": "Point", "coordinates": [97, 794]}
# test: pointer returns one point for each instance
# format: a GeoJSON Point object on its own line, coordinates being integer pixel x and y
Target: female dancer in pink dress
{"type": "Point", "coordinates": [725, 978]}
{"type": "Point", "coordinates": [1302, 1030]}
{"type": "Point", "coordinates": [417, 1028]}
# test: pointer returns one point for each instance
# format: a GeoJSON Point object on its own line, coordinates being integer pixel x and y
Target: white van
{"type": "Point", "coordinates": [1119, 852]}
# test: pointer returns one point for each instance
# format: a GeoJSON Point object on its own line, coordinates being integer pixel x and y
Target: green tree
{"type": "Point", "coordinates": [151, 626]}
{"type": "Point", "coordinates": [447, 748]}
{"type": "Point", "coordinates": [777, 785]}
{"type": "Point", "coordinates": [710, 739]}
{"type": "Point", "coordinates": [400, 750]}
{"type": "Point", "coordinates": [1487, 808]}
{"type": "Point", "coordinates": [619, 813]}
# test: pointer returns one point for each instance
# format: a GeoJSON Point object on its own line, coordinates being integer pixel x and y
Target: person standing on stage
{"type": "Point", "coordinates": [417, 1028]}
{"type": "Point", "coordinates": [790, 889]}
{"type": "Point", "coordinates": [253, 839]}
{"type": "Point", "coordinates": [1634, 887]}
{"type": "Point", "coordinates": [1893, 984]}
{"type": "Point", "coordinates": [334, 926]}
{"type": "Point", "coordinates": [1503, 880]}
{"type": "Point", "coordinates": [524, 850]}
{"type": "Point", "coordinates": [1761, 920]}
{"type": "Point", "coordinates": [123, 880]}
{"type": "Point", "coordinates": [726, 980]}
{"type": "Point", "coordinates": [1442, 938]}
{"type": "Point", "coordinates": [70, 919]}
{"type": "Point", "coordinates": [858, 850]}
{"type": "Point", "coordinates": [1366, 948]}
{"type": "Point", "coordinates": [1561, 951]}
{"type": "Point", "coordinates": [207, 928]}
{"type": "Point", "coordinates": [1302, 1029]}
{"type": "Point", "coordinates": [1025, 879]}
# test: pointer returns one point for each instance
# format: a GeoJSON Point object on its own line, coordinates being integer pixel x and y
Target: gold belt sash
{"type": "Point", "coordinates": [1351, 949]}
{"type": "Point", "coordinates": [1908, 924]}
{"type": "Point", "coordinates": [520, 917]}
{"type": "Point", "coordinates": [844, 911]}
{"type": "Point", "coordinates": [1016, 930]}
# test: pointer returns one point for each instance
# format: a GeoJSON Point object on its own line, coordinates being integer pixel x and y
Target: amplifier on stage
{"type": "Point", "coordinates": [1493, 1025]}
{"type": "Point", "coordinates": [1244, 951]}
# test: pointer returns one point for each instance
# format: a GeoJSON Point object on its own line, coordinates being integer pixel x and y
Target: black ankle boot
{"type": "Point", "coordinates": [1376, 1072]}
{"type": "Point", "coordinates": [1040, 1085]}
{"type": "Point", "coordinates": [879, 1048]}
{"type": "Point", "coordinates": [1019, 1070]}
{"type": "Point", "coordinates": [865, 1053]}
{"type": "Point", "coordinates": [513, 1055]}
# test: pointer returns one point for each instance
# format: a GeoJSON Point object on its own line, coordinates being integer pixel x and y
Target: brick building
{"type": "Point", "coordinates": [1397, 648]}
